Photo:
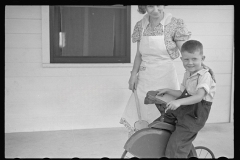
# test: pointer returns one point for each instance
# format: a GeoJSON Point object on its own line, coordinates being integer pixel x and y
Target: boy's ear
{"type": "Point", "coordinates": [181, 58]}
{"type": "Point", "coordinates": [203, 58]}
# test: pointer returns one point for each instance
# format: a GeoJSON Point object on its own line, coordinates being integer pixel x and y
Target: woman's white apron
{"type": "Point", "coordinates": [156, 71]}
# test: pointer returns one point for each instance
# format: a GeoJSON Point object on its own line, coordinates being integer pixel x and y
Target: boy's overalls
{"type": "Point", "coordinates": [188, 120]}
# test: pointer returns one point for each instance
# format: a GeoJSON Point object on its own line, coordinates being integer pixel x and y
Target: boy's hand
{"type": "Point", "coordinates": [173, 105]}
{"type": "Point", "coordinates": [161, 92]}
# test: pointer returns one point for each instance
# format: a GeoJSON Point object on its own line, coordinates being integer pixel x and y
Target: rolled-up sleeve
{"type": "Point", "coordinates": [136, 36]}
{"type": "Point", "coordinates": [205, 82]}
{"type": "Point", "coordinates": [182, 33]}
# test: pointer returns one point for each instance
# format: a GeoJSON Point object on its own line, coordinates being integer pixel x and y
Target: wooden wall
{"type": "Point", "coordinates": [39, 98]}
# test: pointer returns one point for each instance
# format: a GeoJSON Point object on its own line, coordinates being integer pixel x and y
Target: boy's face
{"type": "Point", "coordinates": [192, 62]}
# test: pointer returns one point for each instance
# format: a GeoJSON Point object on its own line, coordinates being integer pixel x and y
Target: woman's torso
{"type": "Point", "coordinates": [173, 29]}
{"type": "Point", "coordinates": [152, 45]}
{"type": "Point", "coordinates": [157, 69]}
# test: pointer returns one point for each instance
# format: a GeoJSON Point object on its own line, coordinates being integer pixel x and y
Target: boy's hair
{"type": "Point", "coordinates": [192, 46]}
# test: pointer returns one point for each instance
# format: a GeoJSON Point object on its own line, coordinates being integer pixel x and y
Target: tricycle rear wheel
{"type": "Point", "coordinates": [202, 152]}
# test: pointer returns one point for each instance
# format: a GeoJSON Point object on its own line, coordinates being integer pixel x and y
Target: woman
{"type": "Point", "coordinates": [159, 38]}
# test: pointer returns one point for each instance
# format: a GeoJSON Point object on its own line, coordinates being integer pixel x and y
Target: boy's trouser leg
{"type": "Point", "coordinates": [180, 143]}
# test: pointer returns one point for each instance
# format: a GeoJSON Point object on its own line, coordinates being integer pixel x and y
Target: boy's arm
{"type": "Point", "coordinates": [175, 93]}
{"type": "Point", "coordinates": [194, 98]}
{"type": "Point", "coordinates": [187, 101]}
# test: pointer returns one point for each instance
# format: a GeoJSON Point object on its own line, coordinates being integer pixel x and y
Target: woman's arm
{"type": "Point", "coordinates": [137, 62]}
{"type": "Point", "coordinates": [179, 44]}
{"type": "Point", "coordinates": [181, 33]}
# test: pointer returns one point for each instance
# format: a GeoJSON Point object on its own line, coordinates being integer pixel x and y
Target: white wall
{"type": "Point", "coordinates": [39, 98]}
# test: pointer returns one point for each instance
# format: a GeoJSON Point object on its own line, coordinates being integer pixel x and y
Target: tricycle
{"type": "Point", "coordinates": [151, 142]}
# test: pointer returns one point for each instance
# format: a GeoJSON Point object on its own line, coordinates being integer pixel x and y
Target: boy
{"type": "Point", "coordinates": [190, 110]}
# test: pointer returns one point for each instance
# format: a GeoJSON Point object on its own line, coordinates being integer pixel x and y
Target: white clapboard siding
{"type": "Point", "coordinates": [23, 12]}
{"type": "Point", "coordinates": [39, 98]}
{"type": "Point", "coordinates": [220, 109]}
{"type": "Point", "coordinates": [79, 107]}
{"type": "Point", "coordinates": [20, 55]}
{"type": "Point", "coordinates": [61, 122]}
{"type": "Point", "coordinates": [203, 7]}
{"type": "Point", "coordinates": [23, 40]}
{"type": "Point", "coordinates": [211, 29]}
{"type": "Point", "coordinates": [85, 101]}
{"type": "Point", "coordinates": [220, 42]}
{"type": "Point", "coordinates": [69, 110]}
{"type": "Point", "coordinates": [77, 102]}
{"type": "Point", "coordinates": [67, 83]}
{"type": "Point", "coordinates": [35, 69]}
{"type": "Point", "coordinates": [23, 26]}
{"type": "Point", "coordinates": [202, 15]}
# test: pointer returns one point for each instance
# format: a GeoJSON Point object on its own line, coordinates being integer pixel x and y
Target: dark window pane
{"type": "Point", "coordinates": [101, 32]}
{"type": "Point", "coordinates": [88, 31]}
{"type": "Point", "coordinates": [72, 26]}
{"type": "Point", "coordinates": [90, 34]}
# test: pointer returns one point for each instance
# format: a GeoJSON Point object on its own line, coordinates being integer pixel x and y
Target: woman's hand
{"type": "Point", "coordinates": [133, 82]}
{"type": "Point", "coordinates": [210, 71]}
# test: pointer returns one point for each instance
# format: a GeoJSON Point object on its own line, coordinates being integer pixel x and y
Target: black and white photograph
{"type": "Point", "coordinates": [119, 81]}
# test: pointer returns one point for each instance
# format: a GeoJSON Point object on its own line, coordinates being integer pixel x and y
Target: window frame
{"type": "Point", "coordinates": [54, 29]}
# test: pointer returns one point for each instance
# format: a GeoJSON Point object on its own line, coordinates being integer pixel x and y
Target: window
{"type": "Point", "coordinates": [90, 34]}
